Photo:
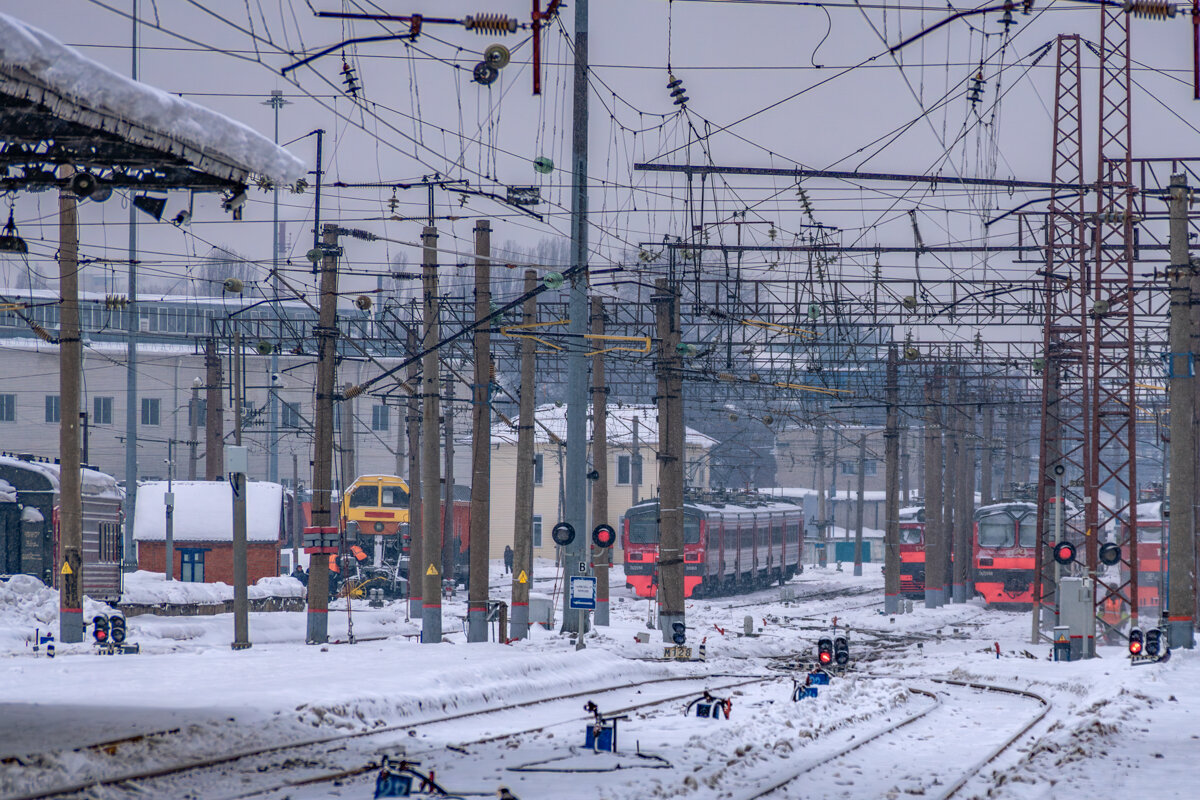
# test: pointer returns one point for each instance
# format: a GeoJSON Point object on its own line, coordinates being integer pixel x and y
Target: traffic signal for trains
{"type": "Point", "coordinates": [1110, 553]}
{"type": "Point", "coordinates": [1135, 642]}
{"type": "Point", "coordinates": [117, 629]}
{"type": "Point", "coordinates": [604, 536]}
{"type": "Point", "coordinates": [841, 651]}
{"type": "Point", "coordinates": [1153, 643]}
{"type": "Point", "coordinates": [1064, 552]}
{"type": "Point", "coordinates": [825, 651]}
{"type": "Point", "coordinates": [563, 534]}
{"type": "Point", "coordinates": [678, 632]}
{"type": "Point", "coordinates": [100, 629]}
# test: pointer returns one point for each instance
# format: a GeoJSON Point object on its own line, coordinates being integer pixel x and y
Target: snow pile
{"type": "Point", "coordinates": [94, 86]}
{"type": "Point", "coordinates": [8, 494]}
{"type": "Point", "coordinates": [27, 604]}
{"type": "Point", "coordinates": [152, 588]}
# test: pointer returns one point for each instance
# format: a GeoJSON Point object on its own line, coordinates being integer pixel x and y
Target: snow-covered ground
{"type": "Point", "coordinates": [1110, 729]}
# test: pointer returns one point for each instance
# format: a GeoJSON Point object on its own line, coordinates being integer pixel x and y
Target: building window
{"type": "Point", "coordinates": [150, 408]}
{"type": "Point", "coordinates": [848, 468]}
{"type": "Point", "coordinates": [102, 410]}
{"type": "Point", "coordinates": [869, 467]}
{"type": "Point", "coordinates": [538, 464]}
{"type": "Point", "coordinates": [191, 565]}
{"type": "Point", "coordinates": [623, 470]}
{"type": "Point", "coordinates": [198, 412]}
{"type": "Point", "coordinates": [537, 530]}
{"type": "Point", "coordinates": [379, 418]}
{"type": "Point", "coordinates": [8, 408]}
{"type": "Point", "coordinates": [291, 415]}
{"type": "Point", "coordinates": [851, 467]}
{"type": "Point", "coordinates": [53, 410]}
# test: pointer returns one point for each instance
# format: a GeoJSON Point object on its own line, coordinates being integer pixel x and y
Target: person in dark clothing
{"type": "Point", "coordinates": [508, 559]}
{"type": "Point", "coordinates": [299, 574]}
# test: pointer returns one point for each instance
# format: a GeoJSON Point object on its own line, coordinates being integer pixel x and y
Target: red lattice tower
{"type": "Point", "coordinates": [1113, 422]}
{"type": "Point", "coordinates": [1065, 397]}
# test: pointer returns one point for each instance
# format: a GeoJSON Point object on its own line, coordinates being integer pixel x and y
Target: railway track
{"type": "Point", "coordinates": [311, 753]}
{"type": "Point", "coordinates": [921, 738]}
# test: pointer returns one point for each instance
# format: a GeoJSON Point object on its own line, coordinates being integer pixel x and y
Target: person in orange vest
{"type": "Point", "coordinates": [334, 575]}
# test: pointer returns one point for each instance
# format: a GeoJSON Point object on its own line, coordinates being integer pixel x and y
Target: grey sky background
{"type": "Point", "coordinates": [419, 112]}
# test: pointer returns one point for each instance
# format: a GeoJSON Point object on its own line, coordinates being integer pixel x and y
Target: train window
{"type": "Point", "coordinates": [392, 497]}
{"type": "Point", "coordinates": [997, 531]}
{"type": "Point", "coordinates": [643, 529]}
{"type": "Point", "coordinates": [364, 497]}
{"type": "Point", "coordinates": [691, 529]}
{"type": "Point", "coordinates": [910, 536]}
{"type": "Point", "coordinates": [1028, 531]}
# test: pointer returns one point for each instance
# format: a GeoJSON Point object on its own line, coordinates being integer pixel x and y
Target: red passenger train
{"type": "Point", "coordinates": [912, 552]}
{"type": "Point", "coordinates": [1005, 546]}
{"type": "Point", "coordinates": [1153, 532]}
{"type": "Point", "coordinates": [727, 547]}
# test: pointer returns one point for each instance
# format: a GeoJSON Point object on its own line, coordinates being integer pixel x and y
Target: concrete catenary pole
{"type": "Point", "coordinates": [431, 605]}
{"type": "Point", "coordinates": [964, 504]}
{"type": "Point", "coordinates": [481, 441]}
{"type": "Point", "coordinates": [133, 321]}
{"type": "Point", "coordinates": [858, 513]}
{"type": "Point", "coordinates": [322, 477]}
{"type": "Point", "coordinates": [988, 454]}
{"type": "Point", "coordinates": [70, 351]}
{"type": "Point", "coordinates": [237, 480]}
{"type": "Point", "coordinates": [822, 500]}
{"type": "Point", "coordinates": [194, 423]}
{"type": "Point", "coordinates": [449, 551]}
{"type": "Point", "coordinates": [575, 486]}
{"type": "Point", "coordinates": [891, 497]}
{"type": "Point", "coordinates": [935, 580]}
{"type": "Point", "coordinates": [169, 503]}
{"type": "Point", "coordinates": [670, 459]}
{"type": "Point", "coordinates": [276, 102]}
{"type": "Point", "coordinates": [416, 587]}
{"type": "Point", "coordinates": [1182, 553]}
{"type": "Point", "coordinates": [348, 471]}
{"type": "Point", "coordinates": [214, 415]}
{"type": "Point", "coordinates": [950, 521]}
{"type": "Point", "coordinates": [601, 556]}
{"type": "Point", "coordinates": [522, 574]}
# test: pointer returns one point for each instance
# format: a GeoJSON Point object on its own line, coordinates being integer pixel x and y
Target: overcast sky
{"type": "Point", "coordinates": [418, 112]}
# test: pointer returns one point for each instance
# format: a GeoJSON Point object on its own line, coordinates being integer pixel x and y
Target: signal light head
{"type": "Point", "coordinates": [100, 628]}
{"type": "Point", "coordinates": [1135, 642]}
{"type": "Point", "coordinates": [841, 651]}
{"type": "Point", "coordinates": [678, 632]}
{"type": "Point", "coordinates": [825, 651]}
{"type": "Point", "coordinates": [1153, 643]}
{"type": "Point", "coordinates": [1064, 552]}
{"type": "Point", "coordinates": [604, 536]}
{"type": "Point", "coordinates": [825, 657]}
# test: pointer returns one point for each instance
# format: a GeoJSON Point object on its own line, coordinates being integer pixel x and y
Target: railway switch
{"type": "Point", "coordinates": [709, 707]}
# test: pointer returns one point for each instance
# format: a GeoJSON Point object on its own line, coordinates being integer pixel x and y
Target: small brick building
{"type": "Point", "coordinates": [203, 529]}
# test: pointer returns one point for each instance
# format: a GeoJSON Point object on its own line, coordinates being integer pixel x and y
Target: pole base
{"type": "Point", "coordinates": [431, 625]}
{"type": "Point", "coordinates": [318, 627]}
{"type": "Point", "coordinates": [1181, 633]}
{"type": "Point", "coordinates": [960, 593]}
{"type": "Point", "coordinates": [415, 607]}
{"type": "Point", "coordinates": [519, 622]}
{"type": "Point", "coordinates": [892, 604]}
{"type": "Point", "coordinates": [70, 626]}
{"type": "Point", "coordinates": [935, 598]}
{"type": "Point", "coordinates": [240, 645]}
{"type": "Point", "coordinates": [857, 570]}
{"type": "Point", "coordinates": [477, 628]}
{"type": "Point", "coordinates": [600, 615]}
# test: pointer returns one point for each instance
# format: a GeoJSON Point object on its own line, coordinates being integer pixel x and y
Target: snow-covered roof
{"type": "Point", "coordinates": [8, 493]}
{"type": "Point", "coordinates": [620, 426]}
{"type": "Point", "coordinates": [94, 482]}
{"type": "Point", "coordinates": [96, 89]}
{"type": "Point", "coordinates": [204, 511]}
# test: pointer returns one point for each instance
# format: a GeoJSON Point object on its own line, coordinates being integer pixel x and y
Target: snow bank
{"type": "Point", "coordinates": [94, 86]}
{"type": "Point", "coordinates": [26, 605]}
{"type": "Point", "coordinates": [152, 588]}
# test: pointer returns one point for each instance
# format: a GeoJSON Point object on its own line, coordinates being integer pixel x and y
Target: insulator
{"type": "Point", "coordinates": [1150, 9]}
{"type": "Point", "coordinates": [40, 332]}
{"type": "Point", "coordinates": [491, 23]}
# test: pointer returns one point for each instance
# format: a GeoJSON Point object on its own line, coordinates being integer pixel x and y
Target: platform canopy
{"type": "Point", "coordinates": [59, 108]}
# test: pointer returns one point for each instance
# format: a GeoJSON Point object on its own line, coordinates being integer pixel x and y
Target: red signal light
{"type": "Point", "coordinates": [1135, 647]}
{"type": "Point", "coordinates": [101, 636]}
{"type": "Point", "coordinates": [826, 657]}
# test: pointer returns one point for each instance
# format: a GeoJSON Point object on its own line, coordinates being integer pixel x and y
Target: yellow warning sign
{"type": "Point", "coordinates": [66, 570]}
{"type": "Point", "coordinates": [1062, 637]}
{"type": "Point", "coordinates": [432, 570]}
{"type": "Point", "coordinates": [522, 578]}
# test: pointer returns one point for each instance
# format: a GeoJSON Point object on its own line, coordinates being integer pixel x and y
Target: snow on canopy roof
{"type": "Point", "coordinates": [204, 511]}
{"type": "Point", "coordinates": [620, 426]}
{"type": "Point", "coordinates": [94, 86]}
{"type": "Point", "coordinates": [94, 482]}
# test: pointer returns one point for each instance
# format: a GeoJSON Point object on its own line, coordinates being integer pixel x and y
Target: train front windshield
{"type": "Point", "coordinates": [997, 531]}
{"type": "Point", "coordinates": [643, 529]}
{"type": "Point", "coordinates": [392, 497]}
{"type": "Point", "coordinates": [910, 536]}
{"type": "Point", "coordinates": [365, 497]}
{"type": "Point", "coordinates": [1028, 531]}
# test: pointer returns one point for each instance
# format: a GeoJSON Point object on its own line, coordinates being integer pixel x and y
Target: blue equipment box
{"type": "Point", "coordinates": [602, 740]}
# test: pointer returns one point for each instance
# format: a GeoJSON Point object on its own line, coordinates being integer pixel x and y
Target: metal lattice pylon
{"type": "Point", "coordinates": [1064, 438]}
{"type": "Point", "coordinates": [1113, 422]}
